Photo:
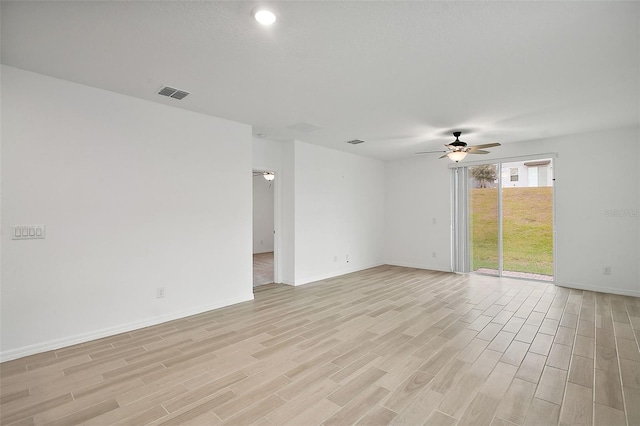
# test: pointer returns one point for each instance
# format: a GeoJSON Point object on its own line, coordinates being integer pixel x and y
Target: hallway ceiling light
{"type": "Point", "coordinates": [264, 16]}
{"type": "Point", "coordinates": [269, 176]}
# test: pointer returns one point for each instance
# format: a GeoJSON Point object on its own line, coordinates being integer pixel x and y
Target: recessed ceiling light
{"type": "Point", "coordinates": [264, 16]}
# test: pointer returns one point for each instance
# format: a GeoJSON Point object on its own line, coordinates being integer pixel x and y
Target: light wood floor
{"type": "Point", "coordinates": [388, 345]}
{"type": "Point", "coordinates": [263, 268]}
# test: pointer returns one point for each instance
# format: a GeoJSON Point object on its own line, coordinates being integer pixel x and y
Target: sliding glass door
{"type": "Point", "coordinates": [527, 219]}
{"type": "Point", "coordinates": [484, 219]}
{"type": "Point", "coordinates": [504, 219]}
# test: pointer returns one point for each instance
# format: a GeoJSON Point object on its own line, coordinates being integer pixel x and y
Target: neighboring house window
{"type": "Point", "coordinates": [514, 174]}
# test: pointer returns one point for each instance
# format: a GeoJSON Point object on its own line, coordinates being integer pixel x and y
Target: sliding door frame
{"type": "Point", "coordinates": [460, 235]}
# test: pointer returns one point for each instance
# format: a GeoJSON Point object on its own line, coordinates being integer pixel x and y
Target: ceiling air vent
{"type": "Point", "coordinates": [173, 93]}
{"type": "Point", "coordinates": [304, 127]}
{"type": "Point", "coordinates": [355, 141]}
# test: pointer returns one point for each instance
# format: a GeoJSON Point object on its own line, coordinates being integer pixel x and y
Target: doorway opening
{"type": "Point", "coordinates": [264, 246]}
{"type": "Point", "coordinates": [507, 219]}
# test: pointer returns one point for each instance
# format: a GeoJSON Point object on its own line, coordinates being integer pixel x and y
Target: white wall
{"type": "Point", "coordinates": [418, 214]}
{"type": "Point", "coordinates": [263, 195]}
{"type": "Point", "coordinates": [339, 212]}
{"type": "Point", "coordinates": [331, 205]}
{"type": "Point", "coordinates": [131, 196]}
{"type": "Point", "coordinates": [285, 225]}
{"type": "Point", "coordinates": [592, 178]}
{"type": "Point", "coordinates": [267, 154]}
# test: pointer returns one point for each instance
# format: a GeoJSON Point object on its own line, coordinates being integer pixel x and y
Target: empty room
{"type": "Point", "coordinates": [320, 213]}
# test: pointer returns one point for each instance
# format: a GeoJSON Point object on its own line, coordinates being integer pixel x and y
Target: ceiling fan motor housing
{"type": "Point", "coordinates": [458, 143]}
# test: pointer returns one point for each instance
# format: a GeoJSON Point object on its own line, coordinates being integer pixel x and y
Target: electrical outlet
{"type": "Point", "coordinates": [335, 258]}
{"type": "Point", "coordinates": [433, 254]}
{"type": "Point", "coordinates": [27, 232]}
{"type": "Point", "coordinates": [606, 270]}
{"type": "Point", "coordinates": [160, 292]}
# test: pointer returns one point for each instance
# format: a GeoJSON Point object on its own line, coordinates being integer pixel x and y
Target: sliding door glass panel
{"type": "Point", "coordinates": [484, 219]}
{"type": "Point", "coordinates": [527, 219]}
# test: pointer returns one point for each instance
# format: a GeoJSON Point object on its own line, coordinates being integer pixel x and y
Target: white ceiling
{"type": "Point", "coordinates": [399, 75]}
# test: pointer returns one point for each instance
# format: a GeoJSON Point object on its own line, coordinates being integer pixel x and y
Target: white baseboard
{"type": "Point", "coordinates": [598, 289]}
{"type": "Point", "coordinates": [111, 331]}
{"type": "Point", "coordinates": [438, 268]}
{"type": "Point", "coordinates": [312, 279]}
{"type": "Point", "coordinates": [611, 290]}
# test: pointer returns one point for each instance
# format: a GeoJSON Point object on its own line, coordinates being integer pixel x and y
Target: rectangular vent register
{"type": "Point", "coordinates": [173, 93]}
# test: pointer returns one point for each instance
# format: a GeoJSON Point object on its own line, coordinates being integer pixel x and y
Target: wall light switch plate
{"type": "Point", "coordinates": [27, 232]}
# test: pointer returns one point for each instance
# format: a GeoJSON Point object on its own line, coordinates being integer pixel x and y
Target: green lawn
{"type": "Point", "coordinates": [527, 229]}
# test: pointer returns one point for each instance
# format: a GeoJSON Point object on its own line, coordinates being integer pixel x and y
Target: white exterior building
{"type": "Point", "coordinates": [524, 174]}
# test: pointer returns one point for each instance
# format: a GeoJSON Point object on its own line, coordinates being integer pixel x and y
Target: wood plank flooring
{"type": "Point", "coordinates": [388, 345]}
{"type": "Point", "coordinates": [263, 268]}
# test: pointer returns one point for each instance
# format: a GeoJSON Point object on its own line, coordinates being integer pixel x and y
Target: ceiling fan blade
{"type": "Point", "coordinates": [477, 151]}
{"type": "Point", "coordinates": [429, 152]}
{"type": "Point", "coordinates": [486, 145]}
{"type": "Point", "coordinates": [443, 156]}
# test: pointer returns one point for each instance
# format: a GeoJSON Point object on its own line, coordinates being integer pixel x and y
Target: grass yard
{"type": "Point", "coordinates": [527, 229]}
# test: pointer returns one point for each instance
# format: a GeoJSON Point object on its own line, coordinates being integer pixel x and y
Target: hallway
{"type": "Point", "coordinates": [262, 268]}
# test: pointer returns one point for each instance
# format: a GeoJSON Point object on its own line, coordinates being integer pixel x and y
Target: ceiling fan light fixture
{"type": "Point", "coordinates": [457, 155]}
{"type": "Point", "coordinates": [264, 16]}
{"type": "Point", "coordinates": [269, 176]}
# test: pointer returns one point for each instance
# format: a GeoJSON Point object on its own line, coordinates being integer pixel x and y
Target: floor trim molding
{"type": "Point", "coordinates": [597, 289]}
{"type": "Point", "coordinates": [111, 331]}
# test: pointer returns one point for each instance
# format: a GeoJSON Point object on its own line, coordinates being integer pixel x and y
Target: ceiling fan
{"type": "Point", "coordinates": [457, 149]}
